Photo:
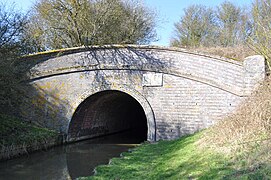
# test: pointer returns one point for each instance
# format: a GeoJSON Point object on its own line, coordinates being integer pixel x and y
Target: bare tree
{"type": "Point", "coordinates": [260, 38]}
{"type": "Point", "coordinates": [201, 26]}
{"type": "Point", "coordinates": [11, 28]}
{"type": "Point", "coordinates": [195, 27]}
{"type": "Point", "coordinates": [69, 23]}
{"type": "Point", "coordinates": [230, 22]}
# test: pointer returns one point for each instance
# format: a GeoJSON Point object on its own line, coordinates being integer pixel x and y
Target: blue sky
{"type": "Point", "coordinates": [168, 11]}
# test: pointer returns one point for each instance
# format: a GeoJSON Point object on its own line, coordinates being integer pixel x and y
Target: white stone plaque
{"type": "Point", "coordinates": [152, 79]}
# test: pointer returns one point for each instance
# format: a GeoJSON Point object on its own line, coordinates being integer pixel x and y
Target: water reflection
{"type": "Point", "coordinates": [68, 162]}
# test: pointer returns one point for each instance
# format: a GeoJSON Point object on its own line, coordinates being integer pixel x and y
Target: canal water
{"type": "Point", "coordinates": [69, 161]}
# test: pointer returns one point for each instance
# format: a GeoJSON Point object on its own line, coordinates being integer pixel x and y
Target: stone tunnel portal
{"type": "Point", "coordinates": [108, 112]}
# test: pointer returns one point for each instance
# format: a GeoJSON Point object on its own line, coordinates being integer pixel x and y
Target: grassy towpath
{"type": "Point", "coordinates": [178, 159]}
{"type": "Point", "coordinates": [184, 158]}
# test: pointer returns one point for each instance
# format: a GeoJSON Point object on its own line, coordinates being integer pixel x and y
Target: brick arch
{"type": "Point", "coordinates": [151, 124]}
{"type": "Point", "coordinates": [180, 91]}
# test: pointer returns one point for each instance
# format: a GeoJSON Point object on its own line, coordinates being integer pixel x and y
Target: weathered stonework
{"type": "Point", "coordinates": [180, 92]}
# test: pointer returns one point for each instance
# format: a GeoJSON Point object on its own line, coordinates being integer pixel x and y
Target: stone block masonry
{"type": "Point", "coordinates": [179, 91]}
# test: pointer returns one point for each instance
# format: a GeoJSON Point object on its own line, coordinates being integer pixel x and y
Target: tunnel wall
{"type": "Point", "coordinates": [107, 112]}
{"type": "Point", "coordinates": [180, 92]}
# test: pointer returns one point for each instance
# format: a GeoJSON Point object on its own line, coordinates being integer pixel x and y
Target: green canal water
{"type": "Point", "coordinates": [69, 161]}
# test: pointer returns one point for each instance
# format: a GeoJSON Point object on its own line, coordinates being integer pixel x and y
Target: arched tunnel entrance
{"type": "Point", "coordinates": [108, 112]}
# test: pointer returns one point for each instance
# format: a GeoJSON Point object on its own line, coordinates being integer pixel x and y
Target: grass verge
{"type": "Point", "coordinates": [184, 158]}
{"type": "Point", "coordinates": [178, 159]}
{"type": "Point", "coordinates": [19, 137]}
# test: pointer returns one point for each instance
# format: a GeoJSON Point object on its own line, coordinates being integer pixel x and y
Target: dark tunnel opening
{"type": "Point", "coordinates": [109, 112]}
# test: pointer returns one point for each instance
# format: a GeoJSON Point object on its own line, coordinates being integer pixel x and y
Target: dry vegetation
{"type": "Point", "coordinates": [236, 53]}
{"type": "Point", "coordinates": [246, 135]}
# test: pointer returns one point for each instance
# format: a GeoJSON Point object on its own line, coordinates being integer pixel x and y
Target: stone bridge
{"type": "Point", "coordinates": [163, 93]}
